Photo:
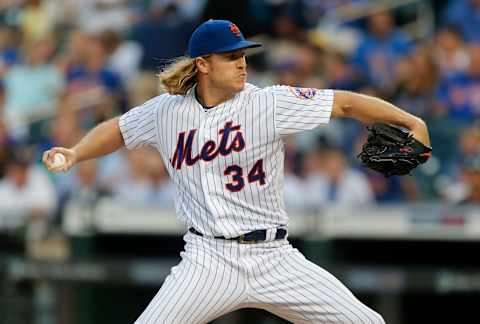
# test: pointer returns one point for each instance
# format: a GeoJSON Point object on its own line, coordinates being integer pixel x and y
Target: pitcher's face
{"type": "Point", "coordinates": [227, 71]}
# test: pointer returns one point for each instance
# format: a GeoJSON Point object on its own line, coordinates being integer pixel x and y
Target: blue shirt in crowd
{"type": "Point", "coordinates": [460, 94]}
{"type": "Point", "coordinates": [466, 17]}
{"type": "Point", "coordinates": [375, 58]}
{"type": "Point", "coordinates": [103, 77]}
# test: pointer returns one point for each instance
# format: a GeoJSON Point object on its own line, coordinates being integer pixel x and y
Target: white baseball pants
{"type": "Point", "coordinates": [218, 276]}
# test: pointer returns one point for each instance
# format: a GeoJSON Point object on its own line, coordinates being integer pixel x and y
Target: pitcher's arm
{"type": "Point", "coordinates": [103, 139]}
{"type": "Point", "coordinates": [368, 109]}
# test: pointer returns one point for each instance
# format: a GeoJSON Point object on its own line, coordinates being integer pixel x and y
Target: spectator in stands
{"type": "Point", "coordinates": [466, 188]}
{"type": "Point", "coordinates": [339, 73]}
{"type": "Point", "coordinates": [298, 66]}
{"type": "Point", "coordinates": [465, 14]}
{"type": "Point", "coordinates": [2, 99]}
{"type": "Point", "coordinates": [6, 146]}
{"type": "Point", "coordinates": [469, 142]}
{"type": "Point", "coordinates": [32, 89]}
{"type": "Point", "coordinates": [458, 95]}
{"type": "Point", "coordinates": [75, 52]}
{"type": "Point", "coordinates": [143, 88]}
{"type": "Point", "coordinates": [9, 54]}
{"type": "Point", "coordinates": [416, 82]}
{"type": "Point", "coordinates": [37, 21]}
{"type": "Point", "coordinates": [162, 191]}
{"type": "Point", "coordinates": [293, 155]}
{"type": "Point", "coordinates": [86, 190]}
{"type": "Point", "coordinates": [471, 179]}
{"type": "Point", "coordinates": [65, 130]}
{"type": "Point", "coordinates": [192, 9]}
{"type": "Point", "coordinates": [307, 66]}
{"type": "Point", "coordinates": [467, 148]}
{"type": "Point", "coordinates": [164, 25]}
{"type": "Point", "coordinates": [101, 15]}
{"type": "Point", "coordinates": [330, 181]}
{"type": "Point", "coordinates": [133, 187]}
{"type": "Point", "coordinates": [111, 170]}
{"type": "Point", "coordinates": [451, 184]}
{"type": "Point", "coordinates": [393, 189]}
{"type": "Point", "coordinates": [26, 191]}
{"type": "Point", "coordinates": [123, 56]}
{"type": "Point", "coordinates": [450, 51]}
{"type": "Point", "coordinates": [379, 50]}
{"type": "Point", "coordinates": [91, 79]}
{"type": "Point", "coordinates": [284, 27]}
{"type": "Point", "coordinates": [81, 200]}
{"type": "Point", "coordinates": [286, 74]}
{"type": "Point", "coordinates": [293, 188]}
{"type": "Point", "coordinates": [293, 191]}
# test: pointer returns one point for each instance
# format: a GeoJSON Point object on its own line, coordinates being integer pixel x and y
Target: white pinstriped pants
{"type": "Point", "coordinates": [217, 276]}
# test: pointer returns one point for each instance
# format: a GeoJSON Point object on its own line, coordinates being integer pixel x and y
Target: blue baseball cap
{"type": "Point", "coordinates": [217, 36]}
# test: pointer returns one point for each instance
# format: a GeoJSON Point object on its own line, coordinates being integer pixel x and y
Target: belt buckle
{"type": "Point", "coordinates": [241, 240]}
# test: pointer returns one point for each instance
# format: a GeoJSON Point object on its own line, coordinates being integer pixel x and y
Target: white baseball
{"type": "Point", "coordinates": [58, 160]}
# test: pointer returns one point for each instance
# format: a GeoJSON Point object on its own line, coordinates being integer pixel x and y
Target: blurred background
{"type": "Point", "coordinates": [95, 244]}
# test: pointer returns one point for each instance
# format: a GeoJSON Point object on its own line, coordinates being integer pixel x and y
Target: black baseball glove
{"type": "Point", "coordinates": [392, 151]}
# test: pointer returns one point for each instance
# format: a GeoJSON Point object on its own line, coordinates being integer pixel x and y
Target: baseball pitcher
{"type": "Point", "coordinates": [222, 142]}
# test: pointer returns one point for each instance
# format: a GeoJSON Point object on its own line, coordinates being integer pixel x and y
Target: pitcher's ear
{"type": "Point", "coordinates": [202, 64]}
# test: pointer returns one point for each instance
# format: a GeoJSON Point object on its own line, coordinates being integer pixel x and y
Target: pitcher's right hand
{"type": "Point", "coordinates": [70, 159]}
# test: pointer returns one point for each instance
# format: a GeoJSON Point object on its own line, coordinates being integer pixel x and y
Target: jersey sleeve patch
{"type": "Point", "coordinates": [303, 93]}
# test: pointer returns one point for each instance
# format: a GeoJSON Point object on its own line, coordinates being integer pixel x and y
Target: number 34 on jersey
{"type": "Point", "coordinates": [210, 150]}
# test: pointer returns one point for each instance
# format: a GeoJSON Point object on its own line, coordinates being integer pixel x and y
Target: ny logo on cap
{"type": "Point", "coordinates": [234, 29]}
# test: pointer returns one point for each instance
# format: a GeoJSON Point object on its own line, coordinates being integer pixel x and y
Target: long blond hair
{"type": "Point", "coordinates": [179, 76]}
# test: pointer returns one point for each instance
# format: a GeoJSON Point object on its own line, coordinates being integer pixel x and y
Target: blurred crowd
{"type": "Point", "coordinates": [68, 65]}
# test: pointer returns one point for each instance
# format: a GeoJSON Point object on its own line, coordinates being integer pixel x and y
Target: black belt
{"type": "Point", "coordinates": [250, 237]}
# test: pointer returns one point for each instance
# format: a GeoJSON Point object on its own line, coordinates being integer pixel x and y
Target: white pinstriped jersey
{"type": "Point", "coordinates": [227, 161]}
